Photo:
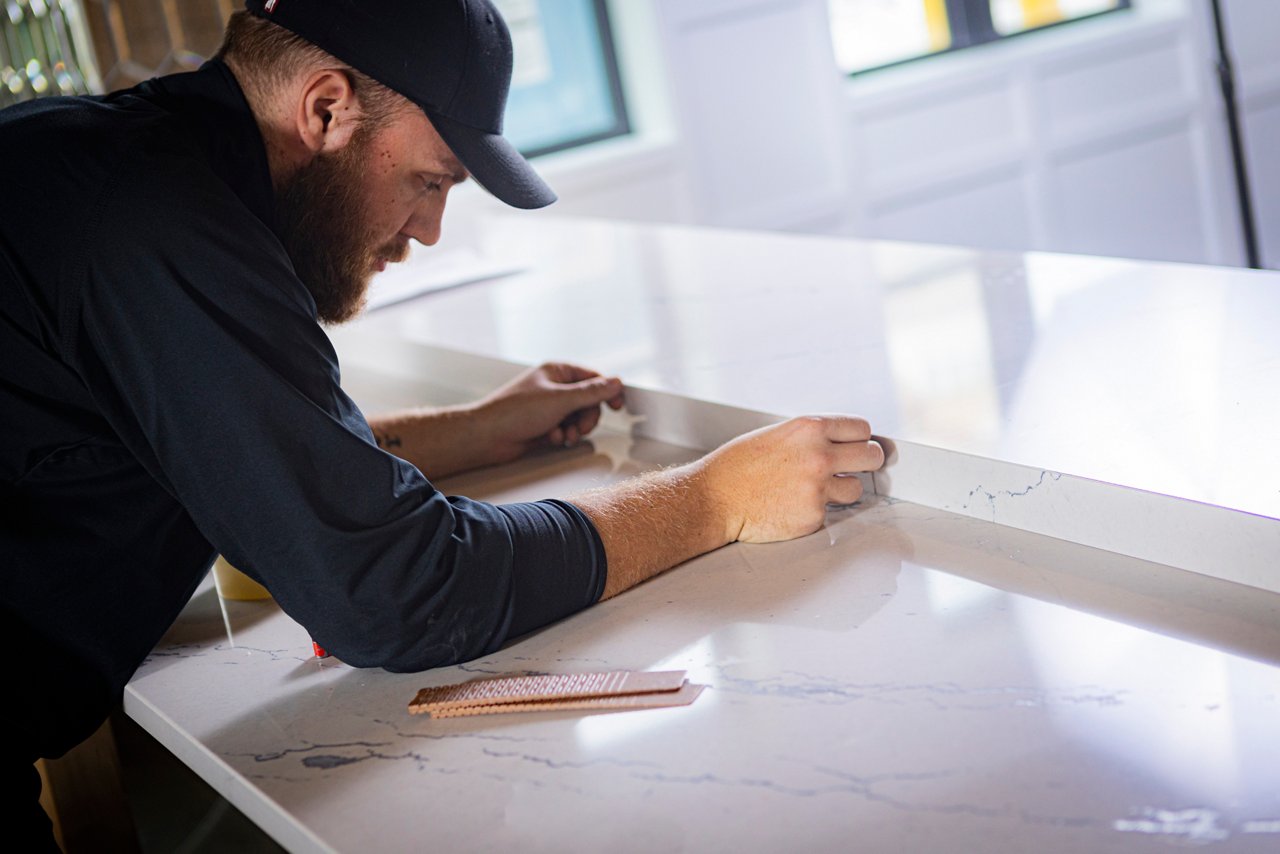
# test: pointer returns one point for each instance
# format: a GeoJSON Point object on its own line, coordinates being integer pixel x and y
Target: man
{"type": "Point", "coordinates": [166, 256]}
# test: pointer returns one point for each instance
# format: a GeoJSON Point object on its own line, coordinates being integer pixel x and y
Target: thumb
{"type": "Point", "coordinates": [591, 392]}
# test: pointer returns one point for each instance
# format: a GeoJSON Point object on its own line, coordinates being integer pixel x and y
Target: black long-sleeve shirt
{"type": "Point", "coordinates": [167, 393]}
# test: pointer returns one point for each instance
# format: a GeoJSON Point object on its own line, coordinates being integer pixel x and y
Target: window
{"type": "Point", "coordinates": [1018, 16]}
{"type": "Point", "coordinates": [874, 33]}
{"type": "Point", "coordinates": [565, 89]}
{"type": "Point", "coordinates": [41, 45]}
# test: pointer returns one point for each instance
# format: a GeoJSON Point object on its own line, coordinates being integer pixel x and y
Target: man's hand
{"type": "Point", "coordinates": [771, 484]}
{"type": "Point", "coordinates": [553, 404]}
{"type": "Point", "coordinates": [775, 483]}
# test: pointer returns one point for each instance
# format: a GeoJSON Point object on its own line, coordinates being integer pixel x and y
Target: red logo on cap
{"type": "Point", "coordinates": [270, 7]}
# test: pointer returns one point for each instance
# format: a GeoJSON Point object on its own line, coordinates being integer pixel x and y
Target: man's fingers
{"type": "Point", "coordinates": [846, 428]}
{"type": "Point", "coordinates": [844, 490]}
{"type": "Point", "coordinates": [586, 420]}
{"type": "Point", "coordinates": [575, 426]}
{"type": "Point", "coordinates": [584, 387]}
{"type": "Point", "coordinates": [857, 456]}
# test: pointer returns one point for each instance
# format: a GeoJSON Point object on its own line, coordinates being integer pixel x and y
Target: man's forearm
{"type": "Point", "coordinates": [437, 441]}
{"type": "Point", "coordinates": [654, 522]}
{"type": "Point", "coordinates": [773, 484]}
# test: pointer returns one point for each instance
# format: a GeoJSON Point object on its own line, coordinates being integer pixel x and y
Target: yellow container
{"type": "Point", "coordinates": [234, 584]}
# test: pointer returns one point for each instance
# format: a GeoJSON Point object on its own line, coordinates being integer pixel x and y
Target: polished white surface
{"type": "Point", "coordinates": [1157, 376]}
{"type": "Point", "coordinates": [1016, 388]}
{"type": "Point", "coordinates": [907, 679]}
{"type": "Point", "coordinates": [904, 680]}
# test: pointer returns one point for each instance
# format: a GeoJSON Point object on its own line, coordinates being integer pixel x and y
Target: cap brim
{"type": "Point", "coordinates": [494, 163]}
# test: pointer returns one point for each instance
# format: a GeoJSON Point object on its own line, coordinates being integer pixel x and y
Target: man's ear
{"type": "Point", "coordinates": [327, 112]}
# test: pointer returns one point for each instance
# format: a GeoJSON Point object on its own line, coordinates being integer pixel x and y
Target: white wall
{"type": "Point", "coordinates": [1105, 136]}
{"type": "Point", "coordinates": [1096, 138]}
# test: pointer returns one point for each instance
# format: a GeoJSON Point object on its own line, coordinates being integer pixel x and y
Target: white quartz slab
{"type": "Point", "coordinates": [903, 680]}
{"type": "Point", "coordinates": [1015, 388]}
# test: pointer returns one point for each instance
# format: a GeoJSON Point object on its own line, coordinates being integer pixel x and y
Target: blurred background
{"type": "Point", "coordinates": [1089, 126]}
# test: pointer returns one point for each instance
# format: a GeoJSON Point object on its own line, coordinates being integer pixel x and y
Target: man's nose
{"type": "Point", "coordinates": [424, 225]}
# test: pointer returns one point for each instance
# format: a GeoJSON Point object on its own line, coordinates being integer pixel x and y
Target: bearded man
{"type": "Point", "coordinates": [167, 257]}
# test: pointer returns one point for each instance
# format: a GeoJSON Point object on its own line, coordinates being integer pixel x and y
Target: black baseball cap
{"type": "Point", "coordinates": [450, 57]}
